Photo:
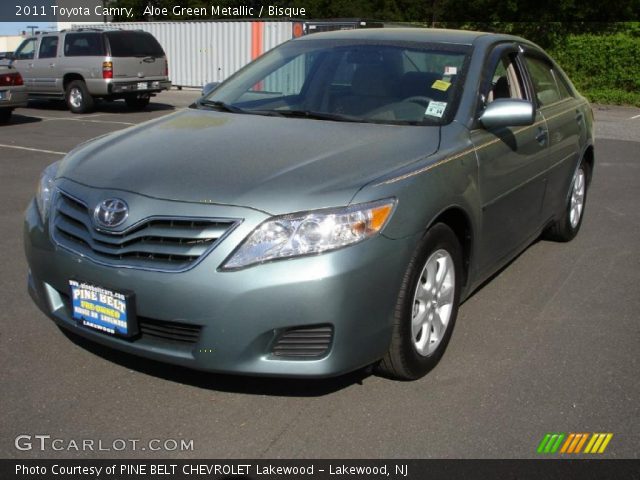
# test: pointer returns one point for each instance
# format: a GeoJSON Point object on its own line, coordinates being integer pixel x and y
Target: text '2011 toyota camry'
{"type": "Point", "coordinates": [325, 208]}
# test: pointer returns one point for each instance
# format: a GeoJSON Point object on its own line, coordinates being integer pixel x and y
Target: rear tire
{"type": "Point", "coordinates": [138, 102]}
{"type": "Point", "coordinates": [567, 226]}
{"type": "Point", "coordinates": [5, 115]}
{"type": "Point", "coordinates": [78, 98]}
{"type": "Point", "coordinates": [427, 306]}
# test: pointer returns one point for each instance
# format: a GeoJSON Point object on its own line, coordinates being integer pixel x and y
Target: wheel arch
{"type": "Point", "coordinates": [70, 77]}
{"type": "Point", "coordinates": [589, 158]}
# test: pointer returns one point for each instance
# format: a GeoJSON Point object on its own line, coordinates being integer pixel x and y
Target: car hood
{"type": "Point", "coordinates": [272, 164]}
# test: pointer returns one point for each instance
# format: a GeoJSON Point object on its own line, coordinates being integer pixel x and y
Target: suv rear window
{"type": "Point", "coordinates": [133, 44]}
{"type": "Point", "coordinates": [83, 45]}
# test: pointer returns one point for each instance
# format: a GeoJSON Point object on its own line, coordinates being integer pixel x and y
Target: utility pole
{"type": "Point", "coordinates": [33, 28]}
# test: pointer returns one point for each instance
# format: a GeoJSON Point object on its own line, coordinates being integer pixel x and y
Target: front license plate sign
{"type": "Point", "coordinates": [142, 85]}
{"type": "Point", "coordinates": [102, 309]}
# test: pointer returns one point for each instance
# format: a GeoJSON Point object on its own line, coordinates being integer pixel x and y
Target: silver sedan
{"type": "Point", "coordinates": [12, 92]}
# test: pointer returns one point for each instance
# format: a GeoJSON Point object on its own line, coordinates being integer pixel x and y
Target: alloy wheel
{"type": "Point", "coordinates": [75, 97]}
{"type": "Point", "coordinates": [433, 302]}
{"type": "Point", "coordinates": [577, 198]}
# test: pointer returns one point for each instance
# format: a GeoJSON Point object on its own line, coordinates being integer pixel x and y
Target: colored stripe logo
{"type": "Point", "coordinates": [567, 443]}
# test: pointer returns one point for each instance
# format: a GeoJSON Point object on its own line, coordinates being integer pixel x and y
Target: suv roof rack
{"type": "Point", "coordinates": [87, 29]}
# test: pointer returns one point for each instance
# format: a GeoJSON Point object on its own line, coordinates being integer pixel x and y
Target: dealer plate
{"type": "Point", "coordinates": [143, 85]}
{"type": "Point", "coordinates": [103, 309]}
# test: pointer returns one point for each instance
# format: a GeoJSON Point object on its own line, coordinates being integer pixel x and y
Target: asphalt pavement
{"type": "Point", "coordinates": [550, 344]}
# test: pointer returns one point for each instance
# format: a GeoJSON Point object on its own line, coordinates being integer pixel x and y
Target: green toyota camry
{"type": "Point", "coordinates": [326, 208]}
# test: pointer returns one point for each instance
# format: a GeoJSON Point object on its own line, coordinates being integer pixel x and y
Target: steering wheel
{"type": "Point", "coordinates": [420, 99]}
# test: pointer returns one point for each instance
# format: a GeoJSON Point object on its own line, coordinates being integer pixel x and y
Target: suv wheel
{"type": "Point", "coordinates": [5, 115]}
{"type": "Point", "coordinates": [427, 306]}
{"type": "Point", "coordinates": [78, 98]}
{"type": "Point", "coordinates": [138, 102]}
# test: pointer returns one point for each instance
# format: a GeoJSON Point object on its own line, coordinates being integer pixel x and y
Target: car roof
{"type": "Point", "coordinates": [391, 34]}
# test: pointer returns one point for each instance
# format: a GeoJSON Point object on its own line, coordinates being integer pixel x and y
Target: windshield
{"type": "Point", "coordinates": [395, 83]}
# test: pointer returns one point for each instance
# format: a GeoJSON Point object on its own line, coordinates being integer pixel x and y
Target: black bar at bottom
{"type": "Point", "coordinates": [544, 469]}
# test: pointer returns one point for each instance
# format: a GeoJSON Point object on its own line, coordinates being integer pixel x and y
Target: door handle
{"type": "Point", "coordinates": [541, 136]}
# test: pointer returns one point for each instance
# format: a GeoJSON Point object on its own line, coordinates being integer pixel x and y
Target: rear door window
{"type": "Point", "coordinates": [562, 85]}
{"type": "Point", "coordinates": [133, 44]}
{"type": "Point", "coordinates": [48, 47]}
{"type": "Point", "coordinates": [543, 80]}
{"type": "Point", "coordinates": [83, 45]}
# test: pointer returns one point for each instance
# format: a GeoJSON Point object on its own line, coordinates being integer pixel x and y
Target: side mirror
{"type": "Point", "coordinates": [209, 87]}
{"type": "Point", "coordinates": [508, 112]}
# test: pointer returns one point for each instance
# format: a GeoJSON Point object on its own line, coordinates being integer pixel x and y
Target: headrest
{"type": "Point", "coordinates": [501, 88]}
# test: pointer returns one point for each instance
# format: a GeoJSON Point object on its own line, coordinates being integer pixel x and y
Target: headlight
{"type": "Point", "coordinates": [45, 189]}
{"type": "Point", "coordinates": [311, 233]}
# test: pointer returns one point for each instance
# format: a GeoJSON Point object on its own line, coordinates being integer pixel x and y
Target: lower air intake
{"type": "Point", "coordinates": [304, 342]}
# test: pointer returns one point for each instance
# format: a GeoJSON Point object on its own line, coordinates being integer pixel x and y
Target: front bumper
{"type": "Point", "coordinates": [241, 313]}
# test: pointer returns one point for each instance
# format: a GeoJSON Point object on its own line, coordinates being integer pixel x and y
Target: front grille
{"type": "Point", "coordinates": [305, 342]}
{"type": "Point", "coordinates": [171, 244]}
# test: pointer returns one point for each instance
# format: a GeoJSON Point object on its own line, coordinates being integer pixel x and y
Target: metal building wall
{"type": "Point", "coordinates": [202, 52]}
{"type": "Point", "coordinates": [275, 33]}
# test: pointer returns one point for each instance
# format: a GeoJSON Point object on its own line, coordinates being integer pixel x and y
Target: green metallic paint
{"type": "Point", "coordinates": [504, 184]}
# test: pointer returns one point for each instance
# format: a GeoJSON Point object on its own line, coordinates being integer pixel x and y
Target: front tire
{"type": "Point", "coordinates": [78, 98]}
{"type": "Point", "coordinates": [568, 225]}
{"type": "Point", "coordinates": [427, 306]}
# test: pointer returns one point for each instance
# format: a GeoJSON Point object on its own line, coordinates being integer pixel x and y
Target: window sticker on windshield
{"type": "Point", "coordinates": [436, 109]}
{"type": "Point", "coordinates": [441, 85]}
{"type": "Point", "coordinates": [450, 70]}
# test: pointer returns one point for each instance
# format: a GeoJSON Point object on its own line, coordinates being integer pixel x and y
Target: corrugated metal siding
{"type": "Point", "coordinates": [276, 33]}
{"type": "Point", "coordinates": [288, 79]}
{"type": "Point", "coordinates": [202, 52]}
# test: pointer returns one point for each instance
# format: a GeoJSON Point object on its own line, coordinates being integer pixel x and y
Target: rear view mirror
{"type": "Point", "coordinates": [508, 112]}
{"type": "Point", "coordinates": [209, 87]}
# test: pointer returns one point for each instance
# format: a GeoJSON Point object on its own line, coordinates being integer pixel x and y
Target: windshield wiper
{"type": "Point", "coordinates": [311, 115]}
{"type": "Point", "coordinates": [341, 118]}
{"type": "Point", "coordinates": [222, 106]}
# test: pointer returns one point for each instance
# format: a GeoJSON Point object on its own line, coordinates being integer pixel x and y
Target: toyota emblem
{"type": "Point", "coordinates": [111, 212]}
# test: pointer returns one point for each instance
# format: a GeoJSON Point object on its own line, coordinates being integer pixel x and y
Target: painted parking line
{"type": "Point", "coordinates": [17, 147]}
{"type": "Point", "coordinates": [82, 120]}
{"type": "Point", "coordinates": [634, 117]}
